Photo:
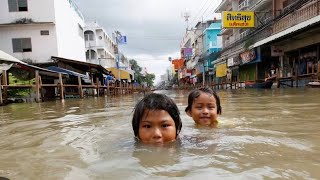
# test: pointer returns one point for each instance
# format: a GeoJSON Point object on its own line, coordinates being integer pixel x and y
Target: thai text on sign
{"type": "Point", "coordinates": [233, 19]}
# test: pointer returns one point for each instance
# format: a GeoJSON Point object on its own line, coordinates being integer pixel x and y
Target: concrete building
{"type": "Point", "coordinates": [33, 31]}
{"type": "Point", "coordinates": [100, 47]}
{"type": "Point", "coordinates": [237, 40]}
{"type": "Point", "coordinates": [203, 41]}
{"type": "Point", "coordinates": [212, 48]}
{"type": "Point", "coordinates": [286, 34]}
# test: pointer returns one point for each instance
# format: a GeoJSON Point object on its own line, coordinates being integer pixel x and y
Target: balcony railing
{"type": "Point", "coordinates": [307, 12]}
{"type": "Point", "coordinates": [243, 5]}
{"type": "Point", "coordinates": [253, 5]}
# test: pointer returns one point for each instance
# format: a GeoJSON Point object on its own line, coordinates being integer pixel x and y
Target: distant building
{"type": "Point", "coordinates": [33, 31]}
{"type": "Point", "coordinates": [100, 47]}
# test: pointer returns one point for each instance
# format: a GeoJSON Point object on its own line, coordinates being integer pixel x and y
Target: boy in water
{"type": "Point", "coordinates": [204, 107]}
{"type": "Point", "coordinates": [156, 119]}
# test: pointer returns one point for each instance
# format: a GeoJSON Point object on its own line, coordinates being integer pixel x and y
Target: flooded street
{"type": "Point", "coordinates": [262, 134]}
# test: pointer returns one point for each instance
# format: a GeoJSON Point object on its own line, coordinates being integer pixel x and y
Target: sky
{"type": "Point", "coordinates": [154, 28]}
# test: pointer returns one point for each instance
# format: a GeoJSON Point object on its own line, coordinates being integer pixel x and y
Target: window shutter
{"type": "Point", "coordinates": [13, 5]}
{"type": "Point", "coordinates": [23, 3]}
{"type": "Point", "coordinates": [26, 43]}
{"type": "Point", "coordinates": [16, 45]}
{"type": "Point", "coordinates": [91, 37]}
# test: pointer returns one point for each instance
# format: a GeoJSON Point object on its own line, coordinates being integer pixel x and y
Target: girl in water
{"type": "Point", "coordinates": [204, 107]}
{"type": "Point", "coordinates": [156, 119]}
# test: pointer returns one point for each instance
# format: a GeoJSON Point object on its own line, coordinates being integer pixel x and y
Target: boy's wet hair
{"type": "Point", "coordinates": [156, 101]}
{"type": "Point", "coordinates": [196, 93]}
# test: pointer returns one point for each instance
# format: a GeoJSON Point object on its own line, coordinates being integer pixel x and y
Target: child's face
{"type": "Point", "coordinates": [204, 110]}
{"type": "Point", "coordinates": [157, 127]}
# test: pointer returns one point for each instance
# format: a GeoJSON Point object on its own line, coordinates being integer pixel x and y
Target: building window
{"type": "Point", "coordinates": [89, 35]}
{"type": "Point", "coordinates": [21, 45]}
{"type": "Point", "coordinates": [17, 5]}
{"type": "Point", "coordinates": [44, 33]}
{"type": "Point", "coordinates": [91, 54]}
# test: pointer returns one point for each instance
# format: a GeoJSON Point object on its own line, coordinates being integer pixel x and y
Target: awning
{"type": "Point", "coordinates": [287, 31]}
{"type": "Point", "coordinates": [84, 77]}
{"type": "Point", "coordinates": [123, 73]}
{"type": "Point", "coordinates": [6, 57]}
{"type": "Point", "coordinates": [85, 66]}
{"type": "Point", "coordinates": [218, 61]}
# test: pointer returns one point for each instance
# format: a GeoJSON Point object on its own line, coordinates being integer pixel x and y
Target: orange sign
{"type": "Point", "coordinates": [178, 64]}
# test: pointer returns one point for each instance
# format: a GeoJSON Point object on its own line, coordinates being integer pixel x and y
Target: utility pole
{"type": "Point", "coordinates": [118, 35]}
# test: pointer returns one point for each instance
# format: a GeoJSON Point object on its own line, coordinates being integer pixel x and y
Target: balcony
{"type": "Point", "coordinates": [244, 34]}
{"type": "Point", "coordinates": [306, 12]}
{"type": "Point", "coordinates": [244, 5]}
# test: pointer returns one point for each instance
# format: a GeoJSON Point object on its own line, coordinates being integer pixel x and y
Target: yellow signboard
{"type": "Point", "coordinates": [221, 70]}
{"type": "Point", "coordinates": [240, 19]}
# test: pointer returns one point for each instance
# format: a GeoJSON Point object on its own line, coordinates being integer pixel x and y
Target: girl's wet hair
{"type": "Point", "coordinates": [196, 93]}
{"type": "Point", "coordinates": [155, 101]}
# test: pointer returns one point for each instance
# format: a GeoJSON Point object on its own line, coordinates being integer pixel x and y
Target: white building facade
{"type": "Point", "coordinates": [33, 31]}
{"type": "Point", "coordinates": [100, 47]}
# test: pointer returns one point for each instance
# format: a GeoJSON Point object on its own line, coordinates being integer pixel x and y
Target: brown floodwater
{"type": "Point", "coordinates": [262, 134]}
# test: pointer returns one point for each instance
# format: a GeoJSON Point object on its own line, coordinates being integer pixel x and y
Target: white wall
{"type": "Point", "coordinates": [70, 44]}
{"type": "Point", "coordinates": [100, 42]}
{"type": "Point", "coordinates": [43, 47]}
{"type": "Point", "coordinates": [38, 11]}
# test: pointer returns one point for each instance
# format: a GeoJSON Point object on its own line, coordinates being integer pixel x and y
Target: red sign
{"type": "Point", "coordinates": [178, 64]}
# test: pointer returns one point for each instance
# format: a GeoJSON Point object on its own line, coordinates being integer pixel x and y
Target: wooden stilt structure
{"type": "Point", "coordinates": [80, 87]}
{"type": "Point", "coordinates": [1, 100]}
{"type": "Point", "coordinates": [5, 83]}
{"type": "Point", "coordinates": [37, 86]}
{"type": "Point", "coordinates": [61, 86]}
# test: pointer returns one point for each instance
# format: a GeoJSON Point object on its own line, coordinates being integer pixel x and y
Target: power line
{"type": "Point", "coordinates": [199, 12]}
{"type": "Point", "coordinates": [212, 9]}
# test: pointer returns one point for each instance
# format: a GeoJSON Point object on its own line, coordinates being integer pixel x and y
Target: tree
{"type": "Point", "coordinates": [148, 78]}
{"type": "Point", "coordinates": [137, 70]}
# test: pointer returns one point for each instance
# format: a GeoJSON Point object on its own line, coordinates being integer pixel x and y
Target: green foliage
{"type": "Point", "coordinates": [20, 79]}
{"type": "Point", "coordinates": [148, 78]}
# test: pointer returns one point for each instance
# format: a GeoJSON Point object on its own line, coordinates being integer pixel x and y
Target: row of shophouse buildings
{"type": "Point", "coordinates": [286, 34]}
{"type": "Point", "coordinates": [35, 31]}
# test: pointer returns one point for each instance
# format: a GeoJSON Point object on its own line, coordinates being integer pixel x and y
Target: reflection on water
{"type": "Point", "coordinates": [262, 134]}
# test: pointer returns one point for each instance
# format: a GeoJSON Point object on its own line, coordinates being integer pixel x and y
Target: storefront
{"type": "Point", "coordinates": [248, 69]}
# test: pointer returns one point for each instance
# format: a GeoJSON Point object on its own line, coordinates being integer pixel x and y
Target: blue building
{"type": "Point", "coordinates": [213, 46]}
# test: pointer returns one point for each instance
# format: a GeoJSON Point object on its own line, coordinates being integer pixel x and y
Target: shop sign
{"type": "Point", "coordinates": [237, 19]}
{"type": "Point", "coordinates": [178, 64]}
{"type": "Point", "coordinates": [233, 61]}
{"type": "Point", "coordinates": [187, 52]}
{"type": "Point", "coordinates": [248, 56]}
{"type": "Point", "coordinates": [221, 70]}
